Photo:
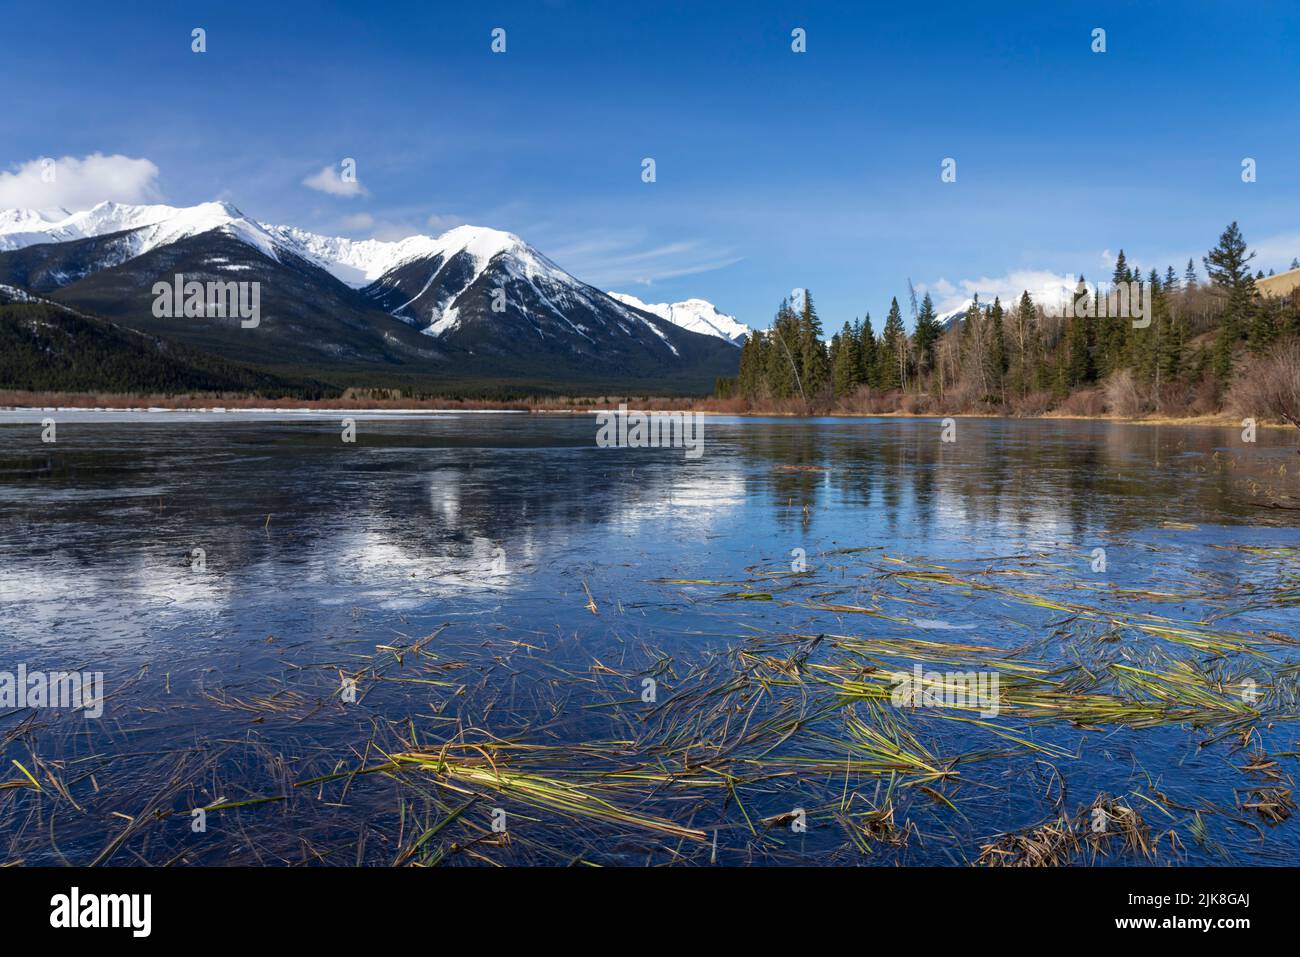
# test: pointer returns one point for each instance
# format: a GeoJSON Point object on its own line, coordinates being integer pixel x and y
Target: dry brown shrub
{"type": "Point", "coordinates": [1124, 396]}
{"type": "Point", "coordinates": [1086, 402]}
{"type": "Point", "coordinates": [1268, 385]}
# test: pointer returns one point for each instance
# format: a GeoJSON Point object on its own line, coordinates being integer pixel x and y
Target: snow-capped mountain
{"type": "Point", "coordinates": [150, 226]}
{"type": "Point", "coordinates": [356, 262]}
{"type": "Point", "coordinates": [474, 301]}
{"type": "Point", "coordinates": [490, 293]}
{"type": "Point", "coordinates": [696, 315]}
{"type": "Point", "coordinates": [952, 316]}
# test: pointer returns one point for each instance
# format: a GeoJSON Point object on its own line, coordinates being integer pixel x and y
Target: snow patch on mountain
{"type": "Point", "coordinates": [149, 226]}
{"type": "Point", "coordinates": [355, 262]}
{"type": "Point", "coordinates": [694, 315]}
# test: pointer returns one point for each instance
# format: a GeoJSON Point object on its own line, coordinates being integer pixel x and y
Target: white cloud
{"type": "Point", "coordinates": [393, 231]}
{"type": "Point", "coordinates": [442, 223]}
{"type": "Point", "coordinates": [78, 184]}
{"type": "Point", "coordinates": [1274, 252]}
{"type": "Point", "coordinates": [1048, 289]}
{"type": "Point", "coordinates": [358, 221]}
{"type": "Point", "coordinates": [613, 259]}
{"type": "Point", "coordinates": [329, 180]}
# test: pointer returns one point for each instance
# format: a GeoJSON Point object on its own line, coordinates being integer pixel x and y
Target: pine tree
{"type": "Point", "coordinates": [926, 336]}
{"type": "Point", "coordinates": [813, 361]}
{"type": "Point", "coordinates": [1170, 344]}
{"type": "Point", "coordinates": [1189, 277]}
{"type": "Point", "coordinates": [1079, 368]}
{"type": "Point", "coordinates": [969, 326]}
{"type": "Point", "coordinates": [893, 349]}
{"type": "Point", "coordinates": [845, 365]}
{"type": "Point", "coordinates": [1227, 265]}
{"type": "Point", "coordinates": [1122, 271]}
{"type": "Point", "coordinates": [997, 351]}
{"type": "Point", "coordinates": [783, 375]}
{"type": "Point", "coordinates": [1145, 353]}
{"type": "Point", "coordinates": [868, 353]}
{"type": "Point", "coordinates": [750, 377]}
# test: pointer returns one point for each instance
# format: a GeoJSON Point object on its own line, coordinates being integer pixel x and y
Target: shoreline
{"type": "Point", "coordinates": [1220, 420]}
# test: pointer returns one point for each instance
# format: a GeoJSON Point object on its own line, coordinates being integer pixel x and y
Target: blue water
{"type": "Point", "coordinates": [502, 533]}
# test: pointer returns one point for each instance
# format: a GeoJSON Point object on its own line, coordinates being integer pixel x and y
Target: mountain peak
{"type": "Point", "coordinates": [496, 306]}
{"type": "Point", "coordinates": [694, 315]}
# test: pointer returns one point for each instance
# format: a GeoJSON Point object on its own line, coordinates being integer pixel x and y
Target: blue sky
{"type": "Point", "coordinates": [775, 169]}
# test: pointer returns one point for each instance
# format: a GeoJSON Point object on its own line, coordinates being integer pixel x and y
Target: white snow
{"type": "Point", "coordinates": [356, 262]}
{"type": "Point", "coordinates": [695, 315]}
{"type": "Point", "coordinates": [359, 263]}
{"type": "Point", "coordinates": [151, 226]}
{"type": "Point", "coordinates": [14, 294]}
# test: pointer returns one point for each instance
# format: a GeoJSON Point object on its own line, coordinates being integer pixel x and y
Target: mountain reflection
{"type": "Point", "coordinates": [445, 509]}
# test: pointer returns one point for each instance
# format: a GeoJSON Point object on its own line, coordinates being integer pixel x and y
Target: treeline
{"type": "Point", "coordinates": [45, 348]}
{"type": "Point", "coordinates": [1023, 358]}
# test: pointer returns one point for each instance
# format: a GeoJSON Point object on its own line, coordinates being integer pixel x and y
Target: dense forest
{"type": "Point", "coordinates": [1207, 346]}
{"type": "Point", "coordinates": [44, 347]}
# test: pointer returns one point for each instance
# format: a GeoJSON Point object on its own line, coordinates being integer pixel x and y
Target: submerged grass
{"type": "Point", "coordinates": [756, 744]}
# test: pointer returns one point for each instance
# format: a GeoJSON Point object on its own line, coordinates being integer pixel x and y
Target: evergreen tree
{"type": "Point", "coordinates": [1078, 366]}
{"type": "Point", "coordinates": [846, 363]}
{"type": "Point", "coordinates": [926, 336]}
{"type": "Point", "coordinates": [783, 374]}
{"type": "Point", "coordinates": [1144, 341]}
{"type": "Point", "coordinates": [750, 378]}
{"type": "Point", "coordinates": [997, 350]}
{"type": "Point", "coordinates": [969, 326]}
{"type": "Point", "coordinates": [1228, 266]}
{"type": "Point", "coordinates": [814, 364]}
{"type": "Point", "coordinates": [1170, 344]}
{"type": "Point", "coordinates": [1189, 277]}
{"type": "Point", "coordinates": [1122, 271]}
{"type": "Point", "coordinates": [868, 354]}
{"type": "Point", "coordinates": [893, 349]}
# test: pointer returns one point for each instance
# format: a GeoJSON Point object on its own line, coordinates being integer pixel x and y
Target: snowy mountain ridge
{"type": "Point", "coordinates": [360, 263]}
{"type": "Point", "coordinates": [696, 315]}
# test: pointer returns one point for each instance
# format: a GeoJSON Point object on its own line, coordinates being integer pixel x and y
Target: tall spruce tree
{"type": "Point", "coordinates": [784, 377]}
{"type": "Point", "coordinates": [845, 363]}
{"type": "Point", "coordinates": [869, 353]}
{"type": "Point", "coordinates": [813, 360]}
{"type": "Point", "coordinates": [1122, 272]}
{"type": "Point", "coordinates": [926, 336]}
{"type": "Point", "coordinates": [893, 349]}
{"type": "Point", "coordinates": [1228, 266]}
{"type": "Point", "coordinates": [997, 351]}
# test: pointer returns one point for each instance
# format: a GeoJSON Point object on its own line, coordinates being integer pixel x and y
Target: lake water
{"type": "Point", "coordinates": [481, 638]}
